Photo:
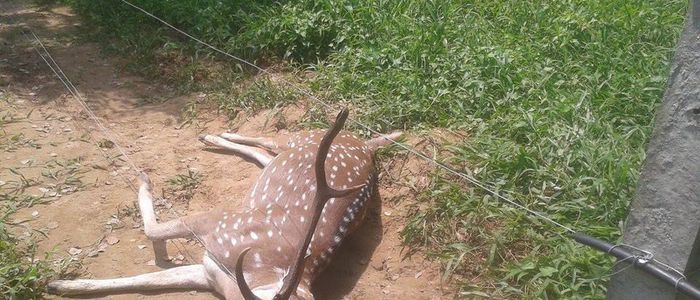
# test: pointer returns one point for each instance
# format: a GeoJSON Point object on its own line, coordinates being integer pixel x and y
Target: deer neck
{"type": "Point", "coordinates": [264, 282]}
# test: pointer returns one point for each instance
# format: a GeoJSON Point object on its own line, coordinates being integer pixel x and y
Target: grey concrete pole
{"type": "Point", "coordinates": [664, 217]}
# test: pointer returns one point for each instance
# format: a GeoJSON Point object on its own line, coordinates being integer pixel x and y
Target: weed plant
{"type": "Point", "coordinates": [182, 187]}
{"type": "Point", "coordinates": [557, 97]}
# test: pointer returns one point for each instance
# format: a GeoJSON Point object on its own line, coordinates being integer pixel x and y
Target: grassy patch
{"type": "Point", "coordinates": [23, 275]}
{"type": "Point", "coordinates": [557, 97]}
{"type": "Point", "coordinates": [183, 186]}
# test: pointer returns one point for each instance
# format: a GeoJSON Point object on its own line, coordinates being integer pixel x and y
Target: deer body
{"type": "Point", "coordinates": [276, 221]}
{"type": "Point", "coordinates": [279, 211]}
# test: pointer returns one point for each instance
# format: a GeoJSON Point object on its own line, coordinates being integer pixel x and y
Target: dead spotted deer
{"type": "Point", "coordinates": [274, 247]}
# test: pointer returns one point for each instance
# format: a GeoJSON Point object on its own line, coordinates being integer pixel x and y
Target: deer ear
{"type": "Point", "coordinates": [344, 192]}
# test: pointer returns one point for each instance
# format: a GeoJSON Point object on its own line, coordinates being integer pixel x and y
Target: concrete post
{"type": "Point", "coordinates": [665, 215]}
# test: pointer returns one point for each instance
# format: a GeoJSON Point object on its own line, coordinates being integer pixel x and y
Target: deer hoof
{"type": "Point", "coordinates": [143, 179]}
{"type": "Point", "coordinates": [203, 138]}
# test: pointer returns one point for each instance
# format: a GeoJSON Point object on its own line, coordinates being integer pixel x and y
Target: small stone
{"type": "Point", "coordinates": [69, 189]}
{"type": "Point", "coordinates": [111, 240]}
{"type": "Point", "coordinates": [151, 262]}
{"type": "Point", "coordinates": [93, 253]}
{"type": "Point", "coordinates": [75, 251]}
{"type": "Point", "coordinates": [418, 275]}
{"type": "Point", "coordinates": [102, 247]}
{"type": "Point", "coordinates": [108, 182]}
{"type": "Point", "coordinates": [141, 247]}
{"type": "Point", "coordinates": [35, 214]}
{"type": "Point", "coordinates": [25, 161]}
{"type": "Point", "coordinates": [44, 190]}
{"type": "Point", "coordinates": [387, 213]}
{"type": "Point", "coordinates": [378, 266]}
{"type": "Point", "coordinates": [395, 277]}
{"type": "Point", "coordinates": [53, 154]}
{"type": "Point", "coordinates": [179, 257]}
{"type": "Point", "coordinates": [106, 144]}
{"type": "Point", "coordinates": [2, 183]}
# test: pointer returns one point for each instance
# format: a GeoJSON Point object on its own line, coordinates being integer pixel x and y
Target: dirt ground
{"type": "Point", "coordinates": [85, 208]}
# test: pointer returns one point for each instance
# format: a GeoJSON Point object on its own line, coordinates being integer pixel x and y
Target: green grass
{"type": "Point", "coordinates": [21, 275]}
{"type": "Point", "coordinates": [557, 97]}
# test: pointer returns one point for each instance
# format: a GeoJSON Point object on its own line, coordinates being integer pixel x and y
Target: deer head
{"type": "Point", "coordinates": [323, 194]}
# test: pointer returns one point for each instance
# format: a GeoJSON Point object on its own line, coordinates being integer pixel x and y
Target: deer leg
{"type": "Point", "coordinates": [266, 143]}
{"type": "Point", "coordinates": [262, 158]}
{"type": "Point", "coordinates": [185, 277]}
{"type": "Point", "coordinates": [158, 233]}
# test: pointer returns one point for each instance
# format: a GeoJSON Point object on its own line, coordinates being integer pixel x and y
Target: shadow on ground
{"type": "Point", "coordinates": [107, 90]}
{"type": "Point", "coordinates": [351, 261]}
